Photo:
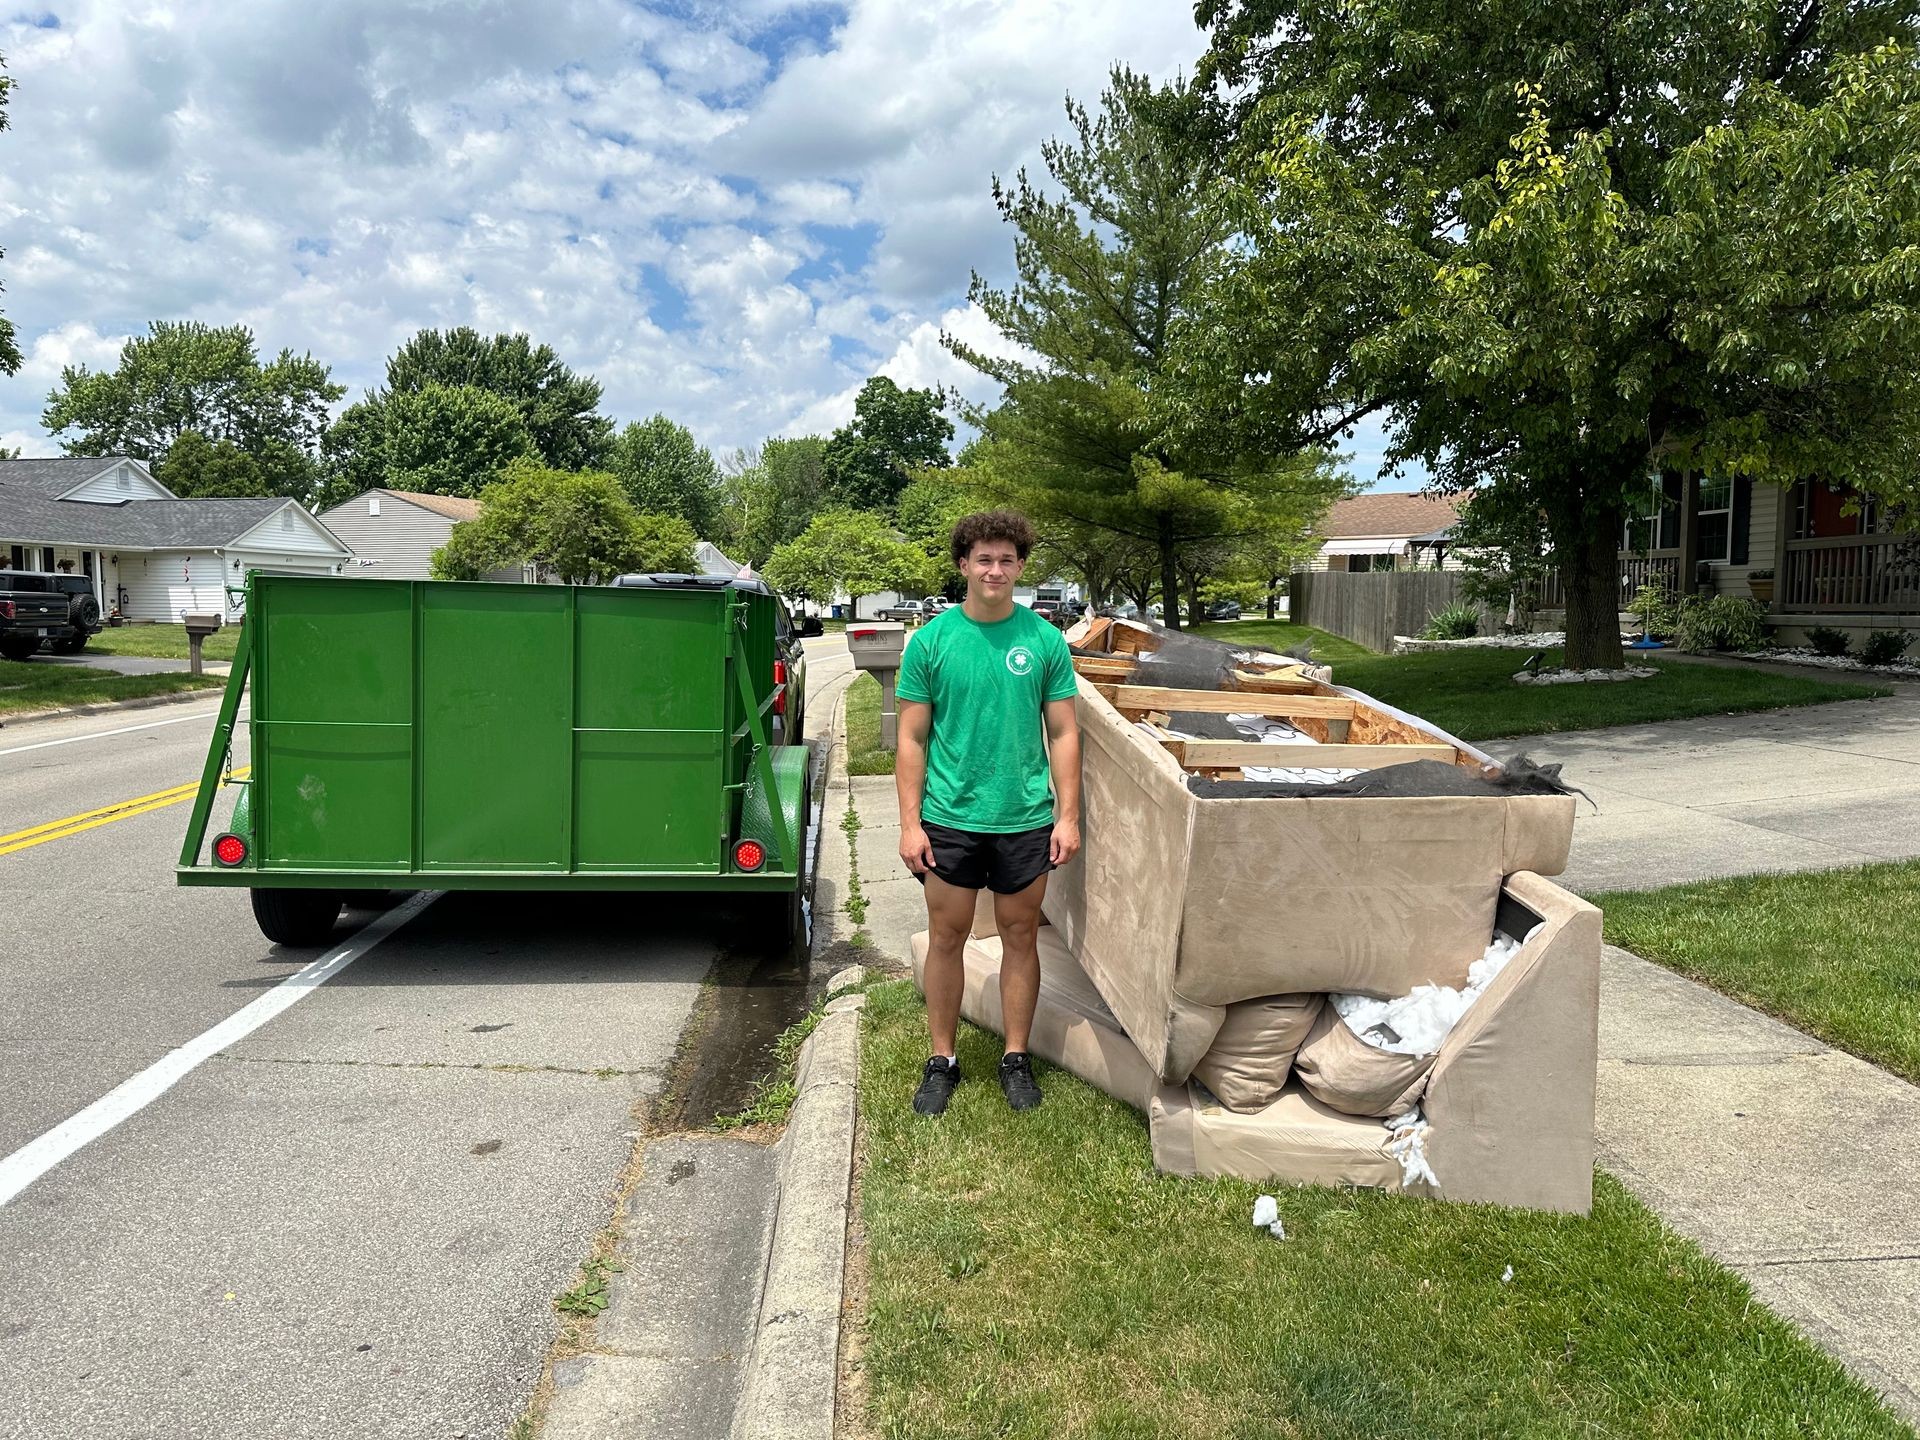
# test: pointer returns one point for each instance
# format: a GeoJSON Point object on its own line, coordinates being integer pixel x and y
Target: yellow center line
{"type": "Point", "coordinates": [105, 815]}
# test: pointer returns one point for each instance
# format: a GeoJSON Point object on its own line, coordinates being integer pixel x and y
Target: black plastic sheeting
{"type": "Point", "coordinates": [1521, 776]}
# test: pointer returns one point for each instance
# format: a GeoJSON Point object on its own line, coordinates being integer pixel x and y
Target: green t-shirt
{"type": "Point", "coordinates": [987, 754]}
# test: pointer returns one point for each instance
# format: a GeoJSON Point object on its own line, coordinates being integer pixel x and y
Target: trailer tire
{"type": "Point", "coordinates": [296, 917]}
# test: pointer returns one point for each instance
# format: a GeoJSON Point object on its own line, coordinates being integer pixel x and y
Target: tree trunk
{"type": "Point", "coordinates": [1273, 596]}
{"type": "Point", "coordinates": [1590, 572]}
{"type": "Point", "coordinates": [1169, 576]}
{"type": "Point", "coordinates": [1194, 616]}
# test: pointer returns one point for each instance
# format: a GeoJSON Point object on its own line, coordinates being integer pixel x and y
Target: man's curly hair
{"type": "Point", "coordinates": [1008, 525]}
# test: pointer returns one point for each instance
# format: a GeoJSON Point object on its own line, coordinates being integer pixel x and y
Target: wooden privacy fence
{"type": "Point", "coordinates": [1372, 607]}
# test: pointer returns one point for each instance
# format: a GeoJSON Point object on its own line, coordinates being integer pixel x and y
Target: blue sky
{"type": "Point", "coordinates": [730, 212]}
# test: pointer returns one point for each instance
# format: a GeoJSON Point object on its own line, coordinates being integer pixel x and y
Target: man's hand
{"type": "Point", "coordinates": [917, 850]}
{"type": "Point", "coordinates": [1066, 841]}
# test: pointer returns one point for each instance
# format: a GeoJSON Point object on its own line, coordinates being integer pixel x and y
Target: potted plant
{"type": "Point", "coordinates": [1760, 585]}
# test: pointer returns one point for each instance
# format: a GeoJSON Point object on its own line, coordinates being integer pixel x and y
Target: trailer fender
{"type": "Point", "coordinates": [758, 813]}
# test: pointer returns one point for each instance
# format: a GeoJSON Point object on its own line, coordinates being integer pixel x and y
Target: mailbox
{"type": "Point", "coordinates": [876, 644]}
{"type": "Point", "coordinates": [198, 628]}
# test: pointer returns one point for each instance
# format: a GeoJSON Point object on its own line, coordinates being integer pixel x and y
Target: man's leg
{"type": "Point", "coordinates": [949, 918]}
{"type": "Point", "coordinates": [1018, 918]}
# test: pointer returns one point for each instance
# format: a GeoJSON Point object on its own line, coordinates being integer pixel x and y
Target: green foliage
{"type": "Point", "coordinates": [894, 434]}
{"type": "Point", "coordinates": [446, 439]}
{"type": "Point", "coordinates": [198, 467]}
{"type": "Point", "coordinates": [1828, 641]}
{"type": "Point", "coordinates": [1658, 608]}
{"type": "Point", "coordinates": [850, 552]}
{"type": "Point", "coordinates": [768, 496]}
{"type": "Point", "coordinates": [576, 526]}
{"type": "Point", "coordinates": [588, 1298]}
{"type": "Point", "coordinates": [1565, 247]}
{"type": "Point", "coordinates": [188, 377]}
{"type": "Point", "coordinates": [1105, 268]}
{"type": "Point", "coordinates": [9, 347]}
{"type": "Point", "coordinates": [665, 471]}
{"type": "Point", "coordinates": [557, 406]}
{"type": "Point", "coordinates": [1459, 621]}
{"type": "Point", "coordinates": [1720, 622]}
{"type": "Point", "coordinates": [1883, 647]}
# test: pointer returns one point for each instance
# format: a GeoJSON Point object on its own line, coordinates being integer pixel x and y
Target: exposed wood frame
{"type": "Point", "coordinates": [1226, 702]}
{"type": "Point", "coordinates": [1247, 754]}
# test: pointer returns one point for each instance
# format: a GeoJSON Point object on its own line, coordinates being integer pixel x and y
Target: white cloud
{"type": "Point", "coordinates": [679, 201]}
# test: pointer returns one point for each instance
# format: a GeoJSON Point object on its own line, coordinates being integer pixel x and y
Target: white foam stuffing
{"type": "Point", "coordinates": [1418, 1023]}
{"type": "Point", "coordinates": [1266, 1216]}
{"type": "Point", "coordinates": [1407, 1143]}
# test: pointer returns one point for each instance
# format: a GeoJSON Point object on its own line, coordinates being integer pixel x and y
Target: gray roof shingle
{"type": "Point", "coordinates": [54, 476]}
{"type": "Point", "coordinates": [30, 517]}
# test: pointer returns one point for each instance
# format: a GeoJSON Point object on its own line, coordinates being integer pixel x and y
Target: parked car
{"type": "Point", "coordinates": [939, 603]}
{"type": "Point", "coordinates": [1050, 611]}
{"type": "Point", "coordinates": [907, 610]}
{"type": "Point", "coordinates": [35, 609]}
{"type": "Point", "coordinates": [1224, 610]}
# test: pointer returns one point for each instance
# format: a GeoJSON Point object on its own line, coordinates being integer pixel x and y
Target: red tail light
{"type": "Point", "coordinates": [749, 855]}
{"type": "Point", "coordinates": [229, 849]}
{"type": "Point", "coordinates": [780, 687]}
{"type": "Point", "coordinates": [6, 609]}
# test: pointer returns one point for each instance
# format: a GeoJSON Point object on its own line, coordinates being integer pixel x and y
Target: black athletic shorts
{"type": "Point", "coordinates": [1004, 864]}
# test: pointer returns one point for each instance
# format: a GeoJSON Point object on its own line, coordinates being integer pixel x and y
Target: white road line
{"type": "Point", "coordinates": [37, 1157]}
{"type": "Point", "coordinates": [103, 734]}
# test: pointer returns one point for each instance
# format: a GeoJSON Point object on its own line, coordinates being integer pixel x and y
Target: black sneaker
{"type": "Point", "coordinates": [936, 1086]}
{"type": "Point", "coordinates": [1016, 1080]}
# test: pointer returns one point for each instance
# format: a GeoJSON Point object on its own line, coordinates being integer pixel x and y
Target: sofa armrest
{"type": "Point", "coordinates": [1511, 1097]}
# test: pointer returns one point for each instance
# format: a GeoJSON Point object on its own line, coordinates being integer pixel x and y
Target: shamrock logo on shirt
{"type": "Point", "coordinates": [1020, 660]}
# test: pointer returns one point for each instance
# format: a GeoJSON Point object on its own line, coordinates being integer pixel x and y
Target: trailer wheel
{"type": "Point", "coordinates": [296, 917]}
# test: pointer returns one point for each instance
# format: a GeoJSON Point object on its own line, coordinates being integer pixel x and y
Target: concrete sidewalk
{"type": "Point", "coordinates": [1783, 1158]}
{"type": "Point", "coordinates": [1806, 789]}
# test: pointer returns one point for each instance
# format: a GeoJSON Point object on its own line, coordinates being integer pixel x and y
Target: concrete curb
{"type": "Point", "coordinates": [792, 1371]}
{"type": "Point", "coordinates": [110, 707]}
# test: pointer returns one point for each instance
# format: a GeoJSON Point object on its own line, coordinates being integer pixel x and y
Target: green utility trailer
{"type": "Point", "coordinates": [439, 735]}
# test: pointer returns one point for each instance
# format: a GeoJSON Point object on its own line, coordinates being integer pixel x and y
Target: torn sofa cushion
{"type": "Point", "coordinates": [1346, 1073]}
{"type": "Point", "coordinates": [1252, 1053]}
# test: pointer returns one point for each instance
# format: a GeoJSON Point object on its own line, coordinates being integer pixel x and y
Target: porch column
{"type": "Point", "coordinates": [1689, 531]}
{"type": "Point", "coordinates": [1782, 532]}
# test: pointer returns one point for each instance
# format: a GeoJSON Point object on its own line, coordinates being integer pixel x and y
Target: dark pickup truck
{"type": "Point", "coordinates": [59, 611]}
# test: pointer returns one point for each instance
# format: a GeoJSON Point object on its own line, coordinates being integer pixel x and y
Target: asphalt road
{"type": "Point", "coordinates": [351, 1222]}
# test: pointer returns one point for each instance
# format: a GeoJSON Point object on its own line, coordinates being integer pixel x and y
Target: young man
{"type": "Point", "coordinates": [986, 713]}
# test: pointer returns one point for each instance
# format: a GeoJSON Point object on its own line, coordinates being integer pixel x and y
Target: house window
{"type": "Point", "coordinates": [1359, 563]}
{"type": "Point", "coordinates": [1716, 520]}
{"type": "Point", "coordinates": [1653, 517]}
{"type": "Point", "coordinates": [46, 557]}
{"type": "Point", "coordinates": [19, 557]}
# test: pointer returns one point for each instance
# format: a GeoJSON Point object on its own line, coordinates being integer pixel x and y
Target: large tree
{"type": "Point", "coordinates": [558, 406]}
{"type": "Point", "coordinates": [667, 472]}
{"type": "Point", "coordinates": [183, 377]}
{"type": "Point", "coordinates": [770, 495]}
{"type": "Point", "coordinates": [196, 467]}
{"type": "Point", "coordinates": [575, 525]}
{"type": "Point", "coordinates": [1566, 247]}
{"type": "Point", "coordinates": [851, 553]}
{"type": "Point", "coordinates": [893, 435]}
{"type": "Point", "coordinates": [9, 348]}
{"type": "Point", "coordinates": [448, 439]}
{"type": "Point", "coordinates": [1105, 270]}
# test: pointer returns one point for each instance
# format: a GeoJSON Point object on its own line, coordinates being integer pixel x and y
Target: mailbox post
{"type": "Point", "coordinates": [877, 645]}
{"type": "Point", "coordinates": [198, 628]}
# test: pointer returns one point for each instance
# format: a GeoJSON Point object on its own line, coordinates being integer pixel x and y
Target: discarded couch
{"type": "Point", "coordinates": [1192, 947]}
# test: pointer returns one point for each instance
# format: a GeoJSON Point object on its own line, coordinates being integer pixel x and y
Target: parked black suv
{"type": "Point", "coordinates": [37, 608]}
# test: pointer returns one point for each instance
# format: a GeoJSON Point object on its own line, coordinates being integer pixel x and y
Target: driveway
{"type": "Point", "coordinates": [1805, 789]}
{"type": "Point", "coordinates": [129, 664]}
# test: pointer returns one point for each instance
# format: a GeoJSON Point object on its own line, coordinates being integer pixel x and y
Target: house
{"type": "Point", "coordinates": [393, 533]}
{"type": "Point", "coordinates": [151, 554]}
{"type": "Point", "coordinates": [1810, 560]}
{"type": "Point", "coordinates": [1385, 531]}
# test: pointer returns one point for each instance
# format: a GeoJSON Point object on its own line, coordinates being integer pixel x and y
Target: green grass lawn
{"type": "Point", "coordinates": [864, 755]}
{"type": "Point", "coordinates": [27, 685]}
{"type": "Point", "coordinates": [164, 642]}
{"type": "Point", "coordinates": [1471, 694]}
{"type": "Point", "coordinates": [1033, 1276]}
{"type": "Point", "coordinates": [1831, 952]}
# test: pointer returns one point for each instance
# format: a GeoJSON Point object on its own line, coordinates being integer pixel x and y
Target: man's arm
{"type": "Point", "coordinates": [1063, 759]}
{"type": "Point", "coordinates": [910, 782]}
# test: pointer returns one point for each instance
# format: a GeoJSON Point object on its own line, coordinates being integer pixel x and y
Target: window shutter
{"type": "Point", "coordinates": [1739, 520]}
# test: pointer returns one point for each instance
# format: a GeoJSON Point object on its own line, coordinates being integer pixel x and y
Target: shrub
{"type": "Point", "coordinates": [1459, 621]}
{"type": "Point", "coordinates": [1826, 640]}
{"type": "Point", "coordinates": [1759, 574]}
{"type": "Point", "coordinates": [1883, 647]}
{"type": "Point", "coordinates": [1720, 622]}
{"type": "Point", "coordinates": [1658, 608]}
